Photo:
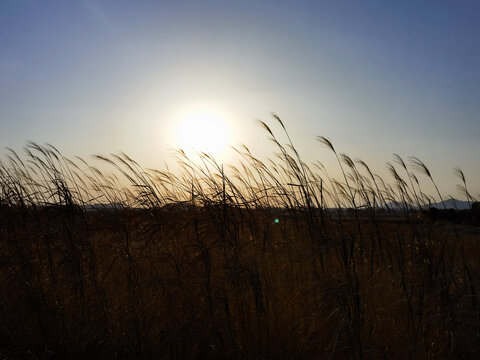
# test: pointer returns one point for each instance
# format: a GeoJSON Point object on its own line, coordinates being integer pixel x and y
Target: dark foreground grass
{"type": "Point", "coordinates": [274, 260]}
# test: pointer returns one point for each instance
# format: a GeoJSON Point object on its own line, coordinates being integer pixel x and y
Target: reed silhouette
{"type": "Point", "coordinates": [267, 259]}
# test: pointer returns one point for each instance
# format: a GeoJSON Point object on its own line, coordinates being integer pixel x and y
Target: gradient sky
{"type": "Point", "coordinates": [376, 77]}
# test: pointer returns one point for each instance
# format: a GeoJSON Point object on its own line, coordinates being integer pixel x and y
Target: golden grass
{"type": "Point", "coordinates": [194, 265]}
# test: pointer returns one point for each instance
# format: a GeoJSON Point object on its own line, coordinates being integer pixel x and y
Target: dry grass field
{"type": "Point", "coordinates": [271, 260]}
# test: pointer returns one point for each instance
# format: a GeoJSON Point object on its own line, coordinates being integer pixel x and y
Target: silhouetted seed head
{"type": "Point", "coordinates": [266, 127]}
{"type": "Point", "coordinates": [278, 119]}
{"type": "Point", "coordinates": [326, 142]}
{"type": "Point", "coordinates": [399, 161]}
{"type": "Point", "coordinates": [457, 171]}
{"type": "Point", "coordinates": [347, 160]}
{"type": "Point", "coordinates": [420, 166]}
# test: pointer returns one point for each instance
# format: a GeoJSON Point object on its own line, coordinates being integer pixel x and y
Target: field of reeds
{"type": "Point", "coordinates": [273, 259]}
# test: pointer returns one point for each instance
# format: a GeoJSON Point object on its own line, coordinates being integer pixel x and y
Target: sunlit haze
{"type": "Point", "coordinates": [201, 129]}
{"type": "Point", "coordinates": [146, 77]}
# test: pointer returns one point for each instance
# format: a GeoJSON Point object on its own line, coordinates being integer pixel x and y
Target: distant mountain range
{"type": "Point", "coordinates": [449, 204]}
{"type": "Point", "coordinates": [453, 204]}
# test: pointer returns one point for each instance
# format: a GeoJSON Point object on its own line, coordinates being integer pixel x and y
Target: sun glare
{"type": "Point", "coordinates": [204, 131]}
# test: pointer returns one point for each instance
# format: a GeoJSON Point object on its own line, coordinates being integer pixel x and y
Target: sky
{"type": "Point", "coordinates": [376, 77]}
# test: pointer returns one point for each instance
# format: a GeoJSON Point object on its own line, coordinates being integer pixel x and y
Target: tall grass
{"type": "Point", "coordinates": [267, 259]}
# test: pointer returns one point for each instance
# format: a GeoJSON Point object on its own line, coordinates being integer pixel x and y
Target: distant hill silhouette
{"type": "Point", "coordinates": [452, 204]}
{"type": "Point", "coordinates": [449, 204]}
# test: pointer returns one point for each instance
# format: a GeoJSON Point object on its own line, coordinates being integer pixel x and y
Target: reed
{"type": "Point", "coordinates": [269, 258]}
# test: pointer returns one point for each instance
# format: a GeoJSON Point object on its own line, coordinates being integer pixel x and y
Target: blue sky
{"type": "Point", "coordinates": [377, 77]}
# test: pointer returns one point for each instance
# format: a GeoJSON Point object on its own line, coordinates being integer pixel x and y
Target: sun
{"type": "Point", "coordinates": [202, 130]}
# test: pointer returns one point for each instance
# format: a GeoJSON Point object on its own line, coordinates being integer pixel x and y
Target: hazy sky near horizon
{"type": "Point", "coordinates": [376, 77]}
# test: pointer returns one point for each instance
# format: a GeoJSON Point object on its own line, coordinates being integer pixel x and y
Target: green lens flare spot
{"type": "Point", "coordinates": [277, 221]}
